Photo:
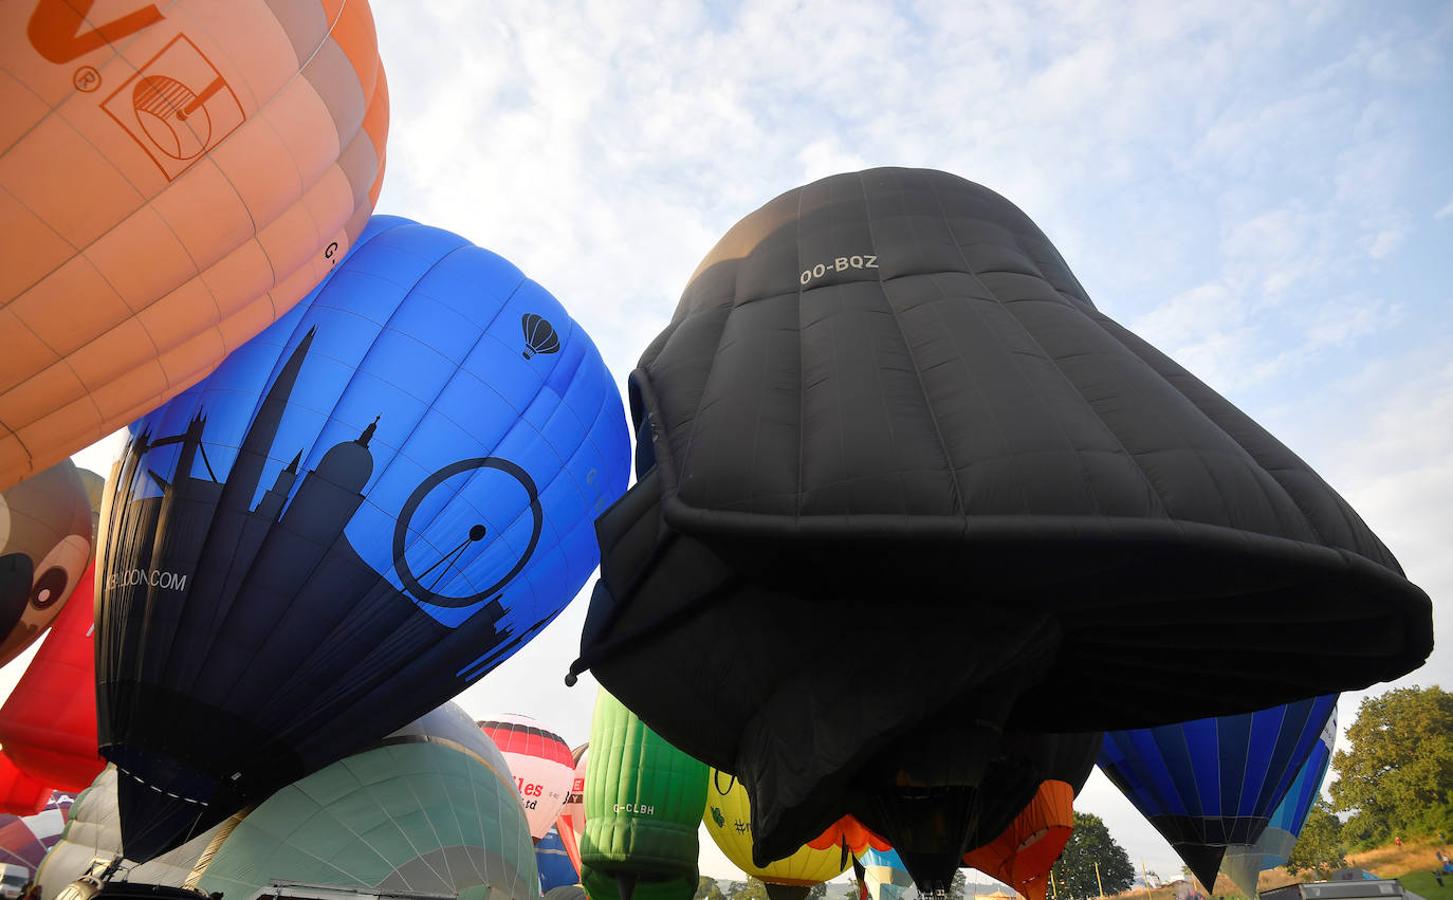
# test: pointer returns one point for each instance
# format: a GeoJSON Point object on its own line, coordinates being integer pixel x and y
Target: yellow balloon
{"type": "Point", "coordinates": [728, 819]}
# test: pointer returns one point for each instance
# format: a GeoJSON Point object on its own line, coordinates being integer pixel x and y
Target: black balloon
{"type": "Point", "coordinates": [885, 403]}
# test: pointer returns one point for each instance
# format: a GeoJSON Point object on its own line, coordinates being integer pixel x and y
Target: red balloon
{"type": "Point", "coordinates": [48, 726]}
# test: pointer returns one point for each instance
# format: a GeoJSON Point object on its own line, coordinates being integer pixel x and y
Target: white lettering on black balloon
{"type": "Point", "coordinates": [171, 581]}
{"type": "Point", "coordinates": [839, 264]}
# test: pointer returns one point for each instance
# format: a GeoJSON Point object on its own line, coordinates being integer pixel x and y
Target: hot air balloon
{"type": "Point", "coordinates": [887, 387]}
{"type": "Point", "coordinates": [25, 839]}
{"type": "Point", "coordinates": [1214, 782]}
{"type": "Point", "coordinates": [643, 801]}
{"type": "Point", "coordinates": [570, 824]}
{"type": "Point", "coordinates": [45, 545]}
{"type": "Point", "coordinates": [541, 763]}
{"type": "Point", "coordinates": [1022, 855]}
{"type": "Point", "coordinates": [728, 819]}
{"type": "Point", "coordinates": [175, 176]}
{"type": "Point", "coordinates": [48, 723]}
{"type": "Point", "coordinates": [430, 809]}
{"type": "Point", "coordinates": [1244, 863]}
{"type": "Point", "coordinates": [885, 875]}
{"type": "Point", "coordinates": [21, 794]}
{"type": "Point", "coordinates": [433, 810]}
{"type": "Point", "coordinates": [359, 514]}
{"type": "Point", "coordinates": [93, 832]}
{"type": "Point", "coordinates": [556, 869]}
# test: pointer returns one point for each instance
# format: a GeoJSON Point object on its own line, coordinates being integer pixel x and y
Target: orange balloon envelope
{"type": "Point", "coordinates": [20, 795]}
{"type": "Point", "coordinates": [48, 725]}
{"type": "Point", "coordinates": [1025, 852]}
{"type": "Point", "coordinates": [848, 832]}
{"type": "Point", "coordinates": [173, 177]}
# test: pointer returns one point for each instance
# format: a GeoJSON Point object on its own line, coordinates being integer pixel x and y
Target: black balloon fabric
{"type": "Point", "coordinates": [886, 414]}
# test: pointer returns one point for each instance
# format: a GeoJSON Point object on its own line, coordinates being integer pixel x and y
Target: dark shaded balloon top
{"type": "Point", "coordinates": [364, 509]}
{"type": "Point", "coordinates": [885, 398]}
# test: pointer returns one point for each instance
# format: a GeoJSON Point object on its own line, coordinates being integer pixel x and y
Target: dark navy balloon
{"type": "Point", "coordinates": [1214, 782]}
{"type": "Point", "coordinates": [361, 512]}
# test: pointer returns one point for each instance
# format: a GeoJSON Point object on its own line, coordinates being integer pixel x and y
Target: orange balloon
{"type": "Point", "coordinates": [1025, 852]}
{"type": "Point", "coordinates": [849, 832]}
{"type": "Point", "coordinates": [173, 177]}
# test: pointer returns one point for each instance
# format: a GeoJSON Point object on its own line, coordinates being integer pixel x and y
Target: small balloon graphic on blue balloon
{"type": "Point", "coordinates": [540, 336]}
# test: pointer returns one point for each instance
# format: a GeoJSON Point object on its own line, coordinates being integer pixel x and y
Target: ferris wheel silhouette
{"type": "Point", "coordinates": [438, 571]}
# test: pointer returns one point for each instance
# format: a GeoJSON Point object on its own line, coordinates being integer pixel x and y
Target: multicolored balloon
{"type": "Point", "coordinates": [1213, 783]}
{"type": "Point", "coordinates": [541, 764]}
{"type": "Point", "coordinates": [174, 177]}
{"type": "Point", "coordinates": [358, 515]}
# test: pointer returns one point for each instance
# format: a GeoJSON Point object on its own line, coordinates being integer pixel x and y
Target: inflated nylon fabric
{"type": "Point", "coordinates": [886, 391]}
{"type": "Point", "coordinates": [643, 800]}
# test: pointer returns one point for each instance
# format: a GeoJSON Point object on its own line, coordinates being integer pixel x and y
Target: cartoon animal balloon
{"type": "Point", "coordinates": [173, 177]}
{"type": "Point", "coordinates": [361, 513]}
{"type": "Point", "coordinates": [45, 546]}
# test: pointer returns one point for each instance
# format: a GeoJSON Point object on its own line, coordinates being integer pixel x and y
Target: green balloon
{"type": "Point", "coordinates": [643, 805]}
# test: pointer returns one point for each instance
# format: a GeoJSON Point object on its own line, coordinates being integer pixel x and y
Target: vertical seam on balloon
{"type": "Point", "coordinates": [960, 506]}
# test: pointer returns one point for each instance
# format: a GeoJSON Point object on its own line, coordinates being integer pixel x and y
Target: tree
{"type": "Point", "coordinates": [817, 891]}
{"type": "Point", "coordinates": [707, 889]}
{"type": "Point", "coordinates": [1091, 843]}
{"type": "Point", "coordinates": [1396, 777]}
{"type": "Point", "coordinates": [754, 889]}
{"type": "Point", "coordinates": [1319, 848]}
{"type": "Point", "coordinates": [958, 886]}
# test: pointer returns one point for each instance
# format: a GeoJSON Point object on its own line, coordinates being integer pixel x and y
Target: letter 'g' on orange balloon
{"type": "Point", "coordinates": [173, 177]}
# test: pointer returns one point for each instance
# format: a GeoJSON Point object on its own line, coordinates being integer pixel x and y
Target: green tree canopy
{"type": "Point", "coordinates": [1319, 848]}
{"type": "Point", "coordinates": [1091, 843]}
{"type": "Point", "coordinates": [707, 889]}
{"type": "Point", "coordinates": [1396, 777]}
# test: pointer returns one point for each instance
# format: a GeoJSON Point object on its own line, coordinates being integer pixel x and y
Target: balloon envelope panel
{"type": "Point", "coordinates": [413, 816]}
{"type": "Point", "coordinates": [728, 819]}
{"type": "Point", "coordinates": [360, 513]}
{"type": "Point", "coordinates": [48, 723]}
{"type": "Point", "coordinates": [643, 801]}
{"type": "Point", "coordinates": [556, 869]}
{"type": "Point", "coordinates": [45, 546]}
{"type": "Point", "coordinates": [1211, 783]}
{"type": "Point", "coordinates": [173, 176]}
{"type": "Point", "coordinates": [25, 839]}
{"type": "Point", "coordinates": [1274, 847]}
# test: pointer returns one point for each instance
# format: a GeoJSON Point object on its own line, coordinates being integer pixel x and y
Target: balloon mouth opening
{"type": "Point", "coordinates": [527, 354]}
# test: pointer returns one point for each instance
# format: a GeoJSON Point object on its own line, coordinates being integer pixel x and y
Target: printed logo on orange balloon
{"type": "Point", "coordinates": [176, 107]}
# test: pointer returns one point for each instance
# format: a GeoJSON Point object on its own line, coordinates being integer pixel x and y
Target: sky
{"type": "Point", "coordinates": [1263, 191]}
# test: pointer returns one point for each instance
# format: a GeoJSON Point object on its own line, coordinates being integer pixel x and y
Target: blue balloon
{"type": "Point", "coordinates": [1215, 782]}
{"type": "Point", "coordinates": [361, 512]}
{"type": "Point", "coordinates": [1274, 847]}
{"type": "Point", "coordinates": [554, 863]}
